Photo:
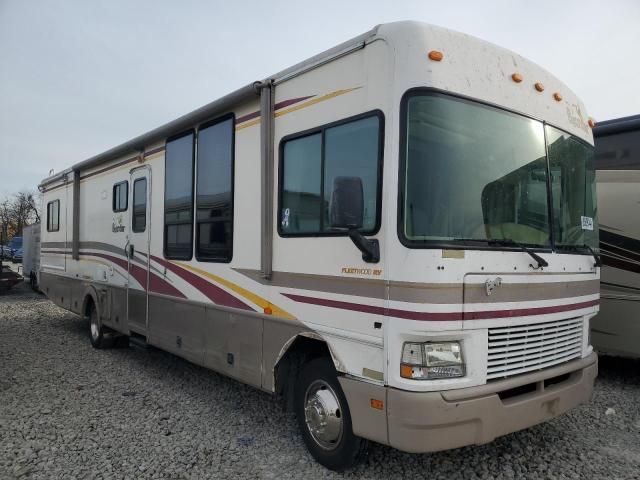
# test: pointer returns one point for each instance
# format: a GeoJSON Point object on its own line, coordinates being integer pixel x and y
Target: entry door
{"type": "Point", "coordinates": [138, 250]}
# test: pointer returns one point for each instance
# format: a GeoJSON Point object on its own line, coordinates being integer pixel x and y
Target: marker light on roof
{"type": "Point", "coordinates": [516, 77]}
{"type": "Point", "coordinates": [539, 86]}
{"type": "Point", "coordinates": [591, 123]}
{"type": "Point", "coordinates": [557, 97]}
{"type": "Point", "coordinates": [435, 55]}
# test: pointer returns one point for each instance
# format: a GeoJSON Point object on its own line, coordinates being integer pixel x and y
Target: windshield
{"type": "Point", "coordinates": [573, 191]}
{"type": "Point", "coordinates": [478, 174]}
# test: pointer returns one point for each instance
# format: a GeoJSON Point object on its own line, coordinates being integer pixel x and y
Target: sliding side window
{"type": "Point", "coordinates": [139, 222]}
{"type": "Point", "coordinates": [120, 196]}
{"type": "Point", "coordinates": [53, 216]}
{"type": "Point", "coordinates": [178, 197]}
{"type": "Point", "coordinates": [311, 163]}
{"type": "Point", "coordinates": [214, 197]}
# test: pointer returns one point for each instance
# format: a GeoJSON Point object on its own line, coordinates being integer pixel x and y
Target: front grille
{"type": "Point", "coordinates": [524, 348]}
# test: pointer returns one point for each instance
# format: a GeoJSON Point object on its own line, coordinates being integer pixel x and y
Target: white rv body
{"type": "Point", "coordinates": [616, 329]}
{"type": "Point", "coordinates": [242, 318]}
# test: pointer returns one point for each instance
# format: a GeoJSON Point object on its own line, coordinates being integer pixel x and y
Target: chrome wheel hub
{"type": "Point", "coordinates": [95, 329]}
{"type": "Point", "coordinates": [323, 414]}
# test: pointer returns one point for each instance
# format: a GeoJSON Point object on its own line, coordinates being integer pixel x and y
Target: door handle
{"type": "Point", "coordinates": [131, 250]}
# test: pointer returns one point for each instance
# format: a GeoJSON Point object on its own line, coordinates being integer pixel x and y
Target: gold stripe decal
{"type": "Point", "coordinates": [300, 106]}
{"type": "Point", "coordinates": [313, 101]}
{"type": "Point", "coordinates": [263, 303]}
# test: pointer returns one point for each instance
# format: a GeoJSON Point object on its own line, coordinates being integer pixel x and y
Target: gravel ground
{"type": "Point", "coordinates": [69, 411]}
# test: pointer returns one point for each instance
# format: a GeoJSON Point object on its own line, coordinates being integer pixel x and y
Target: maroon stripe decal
{"type": "Point", "coordinates": [440, 316]}
{"type": "Point", "coordinates": [211, 291]}
{"type": "Point", "coordinates": [524, 312]}
{"type": "Point", "coordinates": [277, 106]}
{"type": "Point", "coordinates": [356, 307]}
{"type": "Point", "coordinates": [157, 284]}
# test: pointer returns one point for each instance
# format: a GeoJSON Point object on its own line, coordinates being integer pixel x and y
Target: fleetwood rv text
{"type": "Point", "coordinates": [395, 236]}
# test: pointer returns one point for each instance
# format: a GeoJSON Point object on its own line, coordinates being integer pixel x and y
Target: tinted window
{"type": "Point", "coordinates": [178, 198]}
{"type": "Point", "coordinates": [139, 222]}
{"type": "Point", "coordinates": [310, 165]}
{"type": "Point", "coordinates": [120, 196]}
{"type": "Point", "coordinates": [301, 203]}
{"type": "Point", "coordinates": [571, 162]}
{"type": "Point", "coordinates": [214, 214]}
{"type": "Point", "coordinates": [351, 150]}
{"type": "Point", "coordinates": [53, 216]}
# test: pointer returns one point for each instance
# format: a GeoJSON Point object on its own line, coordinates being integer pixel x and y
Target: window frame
{"type": "Point", "coordinates": [113, 195]}
{"type": "Point", "coordinates": [50, 224]}
{"type": "Point", "coordinates": [191, 131]}
{"type": "Point", "coordinates": [321, 130]}
{"type": "Point", "coordinates": [210, 123]}
{"type": "Point", "coordinates": [133, 204]}
{"type": "Point", "coordinates": [402, 160]}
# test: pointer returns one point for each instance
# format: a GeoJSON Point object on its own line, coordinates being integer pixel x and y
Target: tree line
{"type": "Point", "coordinates": [16, 212]}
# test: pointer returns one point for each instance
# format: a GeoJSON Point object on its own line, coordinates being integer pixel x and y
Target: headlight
{"type": "Point", "coordinates": [428, 361]}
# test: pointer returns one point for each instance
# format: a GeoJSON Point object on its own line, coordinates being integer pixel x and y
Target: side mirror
{"type": "Point", "coordinates": [347, 213]}
{"type": "Point", "coordinates": [347, 203]}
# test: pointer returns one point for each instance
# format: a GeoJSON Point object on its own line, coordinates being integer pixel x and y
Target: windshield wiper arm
{"type": "Point", "coordinates": [584, 247]}
{"type": "Point", "coordinates": [595, 255]}
{"type": "Point", "coordinates": [508, 241]}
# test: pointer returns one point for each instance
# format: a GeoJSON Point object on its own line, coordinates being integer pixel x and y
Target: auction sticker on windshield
{"type": "Point", "coordinates": [587, 223]}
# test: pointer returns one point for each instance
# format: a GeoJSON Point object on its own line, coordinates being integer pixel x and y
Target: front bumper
{"type": "Point", "coordinates": [432, 421]}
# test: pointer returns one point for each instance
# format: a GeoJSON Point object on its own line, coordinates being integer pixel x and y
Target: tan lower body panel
{"type": "Point", "coordinates": [430, 421]}
{"type": "Point", "coordinates": [242, 345]}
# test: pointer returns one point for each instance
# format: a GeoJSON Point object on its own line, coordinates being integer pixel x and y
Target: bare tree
{"type": "Point", "coordinates": [18, 211]}
{"type": "Point", "coordinates": [5, 219]}
{"type": "Point", "coordinates": [28, 206]}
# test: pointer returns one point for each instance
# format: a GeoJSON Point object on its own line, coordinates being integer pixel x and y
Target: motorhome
{"type": "Point", "coordinates": [396, 236]}
{"type": "Point", "coordinates": [616, 329]}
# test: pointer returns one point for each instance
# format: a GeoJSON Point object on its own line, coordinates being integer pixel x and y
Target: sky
{"type": "Point", "coordinates": [78, 77]}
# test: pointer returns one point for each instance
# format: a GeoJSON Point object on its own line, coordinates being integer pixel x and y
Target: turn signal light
{"type": "Point", "coordinates": [377, 404]}
{"type": "Point", "coordinates": [406, 371]}
{"type": "Point", "coordinates": [435, 55]}
{"type": "Point", "coordinates": [516, 77]}
{"type": "Point", "coordinates": [539, 87]}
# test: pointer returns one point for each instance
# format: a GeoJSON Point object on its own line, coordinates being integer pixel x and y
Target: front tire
{"type": "Point", "coordinates": [324, 418]}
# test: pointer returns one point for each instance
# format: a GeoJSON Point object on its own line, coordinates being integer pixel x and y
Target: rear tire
{"type": "Point", "coordinates": [324, 418]}
{"type": "Point", "coordinates": [100, 336]}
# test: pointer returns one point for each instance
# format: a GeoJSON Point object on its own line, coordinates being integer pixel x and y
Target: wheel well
{"type": "Point", "coordinates": [302, 350]}
{"type": "Point", "coordinates": [89, 304]}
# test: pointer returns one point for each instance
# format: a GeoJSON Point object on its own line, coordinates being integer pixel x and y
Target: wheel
{"type": "Point", "coordinates": [323, 417]}
{"type": "Point", "coordinates": [100, 336]}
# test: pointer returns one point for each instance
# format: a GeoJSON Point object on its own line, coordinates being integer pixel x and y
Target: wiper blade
{"type": "Point", "coordinates": [595, 255]}
{"type": "Point", "coordinates": [586, 247]}
{"type": "Point", "coordinates": [508, 241]}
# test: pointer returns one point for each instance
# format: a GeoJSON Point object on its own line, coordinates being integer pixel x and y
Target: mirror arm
{"type": "Point", "coordinates": [370, 248]}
